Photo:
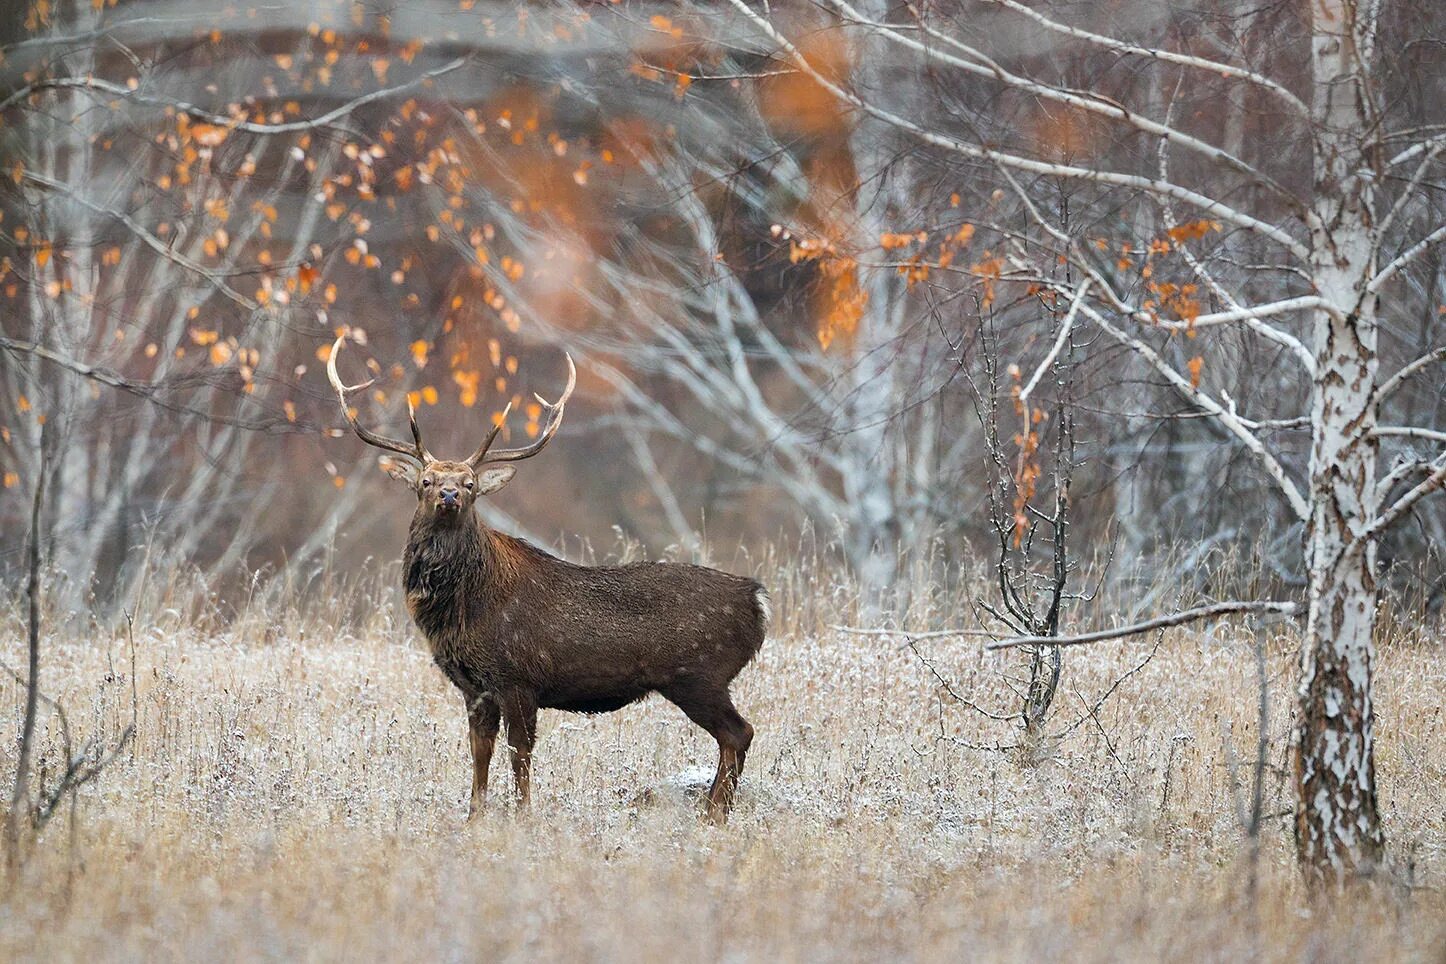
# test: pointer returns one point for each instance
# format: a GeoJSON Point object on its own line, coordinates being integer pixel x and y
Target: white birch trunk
{"type": "Point", "coordinates": [869, 458]}
{"type": "Point", "coordinates": [1338, 830]}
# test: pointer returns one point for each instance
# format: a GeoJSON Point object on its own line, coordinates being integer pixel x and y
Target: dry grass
{"type": "Point", "coordinates": [298, 790]}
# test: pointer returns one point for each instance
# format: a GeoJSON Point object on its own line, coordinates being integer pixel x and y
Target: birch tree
{"type": "Point", "coordinates": [1297, 244]}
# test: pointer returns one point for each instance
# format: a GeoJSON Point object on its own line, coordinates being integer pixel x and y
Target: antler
{"type": "Point", "coordinates": [553, 411]}
{"type": "Point", "coordinates": [416, 451]}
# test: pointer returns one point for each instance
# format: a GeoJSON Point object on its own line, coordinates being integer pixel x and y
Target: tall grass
{"type": "Point", "coordinates": [298, 789]}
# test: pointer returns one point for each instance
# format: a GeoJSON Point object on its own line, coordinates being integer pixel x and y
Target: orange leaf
{"type": "Point", "coordinates": [1195, 364]}
{"type": "Point", "coordinates": [208, 135]}
{"type": "Point", "coordinates": [307, 276]}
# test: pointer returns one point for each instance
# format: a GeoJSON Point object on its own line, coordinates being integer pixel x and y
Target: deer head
{"type": "Point", "coordinates": [447, 489]}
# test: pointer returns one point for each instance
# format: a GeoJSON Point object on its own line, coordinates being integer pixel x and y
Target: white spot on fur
{"type": "Point", "coordinates": [765, 606]}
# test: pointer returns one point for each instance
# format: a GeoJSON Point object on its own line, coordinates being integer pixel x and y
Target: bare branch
{"type": "Point", "coordinates": [1167, 56]}
{"type": "Point", "coordinates": [1436, 480]}
{"type": "Point", "coordinates": [1409, 431]}
{"type": "Point", "coordinates": [1390, 385]}
{"type": "Point", "coordinates": [1164, 622]}
{"type": "Point", "coordinates": [1152, 185]}
{"type": "Point", "coordinates": [1064, 330]}
{"type": "Point", "coordinates": [1428, 146]}
{"type": "Point", "coordinates": [984, 66]}
{"type": "Point", "coordinates": [1405, 258]}
{"type": "Point", "coordinates": [1409, 191]}
{"type": "Point", "coordinates": [20, 794]}
{"type": "Point", "coordinates": [1252, 314]}
{"type": "Point", "coordinates": [1119, 681]}
{"type": "Point", "coordinates": [328, 119]}
{"type": "Point", "coordinates": [1227, 418]}
{"type": "Point", "coordinates": [153, 392]}
{"type": "Point", "coordinates": [151, 241]}
{"type": "Point", "coordinates": [915, 637]}
{"type": "Point", "coordinates": [1268, 332]}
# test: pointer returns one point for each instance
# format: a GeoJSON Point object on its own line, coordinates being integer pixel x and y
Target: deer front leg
{"type": "Point", "coordinates": [520, 710]}
{"type": "Point", "coordinates": [483, 718]}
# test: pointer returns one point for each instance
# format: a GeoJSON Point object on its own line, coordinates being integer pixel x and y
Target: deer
{"type": "Point", "coordinates": [516, 629]}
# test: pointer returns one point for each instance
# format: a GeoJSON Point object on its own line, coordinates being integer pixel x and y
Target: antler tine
{"type": "Point", "coordinates": [417, 433]}
{"type": "Point", "coordinates": [475, 459]}
{"type": "Point", "coordinates": [417, 451]}
{"type": "Point", "coordinates": [554, 421]}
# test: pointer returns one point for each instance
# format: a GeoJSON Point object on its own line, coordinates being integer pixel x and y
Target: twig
{"type": "Point", "coordinates": [1095, 719]}
{"type": "Point", "coordinates": [948, 688]}
{"type": "Point", "coordinates": [1115, 685]}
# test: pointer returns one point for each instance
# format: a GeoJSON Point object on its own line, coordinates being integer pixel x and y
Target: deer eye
{"type": "Point", "coordinates": [468, 483]}
{"type": "Point", "coordinates": [426, 483]}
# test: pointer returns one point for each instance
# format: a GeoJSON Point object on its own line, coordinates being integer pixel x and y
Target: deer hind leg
{"type": "Point", "coordinates": [520, 712]}
{"type": "Point", "coordinates": [714, 712]}
{"type": "Point", "coordinates": [483, 719]}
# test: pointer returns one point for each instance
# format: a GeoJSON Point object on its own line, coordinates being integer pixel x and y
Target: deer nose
{"type": "Point", "coordinates": [449, 496]}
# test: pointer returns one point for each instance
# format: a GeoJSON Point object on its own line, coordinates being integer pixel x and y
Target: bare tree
{"type": "Point", "coordinates": [1309, 240]}
{"type": "Point", "coordinates": [1031, 598]}
{"type": "Point", "coordinates": [30, 811]}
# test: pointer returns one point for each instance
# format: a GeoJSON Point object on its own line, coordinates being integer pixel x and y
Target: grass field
{"type": "Point", "coordinates": [297, 790]}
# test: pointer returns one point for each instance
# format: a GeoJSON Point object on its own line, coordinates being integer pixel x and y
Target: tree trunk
{"type": "Point", "coordinates": [1337, 825]}
{"type": "Point", "coordinates": [872, 467]}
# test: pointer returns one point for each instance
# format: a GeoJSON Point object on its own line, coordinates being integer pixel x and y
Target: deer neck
{"type": "Point", "coordinates": [450, 574]}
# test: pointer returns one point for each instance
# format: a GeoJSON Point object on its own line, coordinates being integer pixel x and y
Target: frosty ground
{"type": "Point", "coordinates": [298, 784]}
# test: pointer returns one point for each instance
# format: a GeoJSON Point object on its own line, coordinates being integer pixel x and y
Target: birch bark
{"type": "Point", "coordinates": [1337, 823]}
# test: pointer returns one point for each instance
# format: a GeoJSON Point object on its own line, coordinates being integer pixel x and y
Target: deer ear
{"type": "Point", "coordinates": [494, 479]}
{"type": "Point", "coordinates": [403, 470]}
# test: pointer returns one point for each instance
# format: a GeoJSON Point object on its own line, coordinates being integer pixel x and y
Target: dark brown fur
{"type": "Point", "coordinates": [517, 629]}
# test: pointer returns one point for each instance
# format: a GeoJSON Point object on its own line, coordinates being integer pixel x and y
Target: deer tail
{"type": "Point", "coordinates": [765, 610]}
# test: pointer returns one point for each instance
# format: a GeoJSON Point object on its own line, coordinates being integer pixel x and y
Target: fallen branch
{"type": "Point", "coordinates": [1164, 622]}
{"type": "Point", "coordinates": [913, 636]}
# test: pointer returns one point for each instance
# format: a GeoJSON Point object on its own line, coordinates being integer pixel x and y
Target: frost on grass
{"type": "Point", "coordinates": [299, 789]}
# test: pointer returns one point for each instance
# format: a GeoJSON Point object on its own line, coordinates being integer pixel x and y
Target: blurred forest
{"type": "Point", "coordinates": [778, 299]}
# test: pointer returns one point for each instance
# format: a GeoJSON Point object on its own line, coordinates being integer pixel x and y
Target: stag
{"type": "Point", "coordinates": [516, 629]}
